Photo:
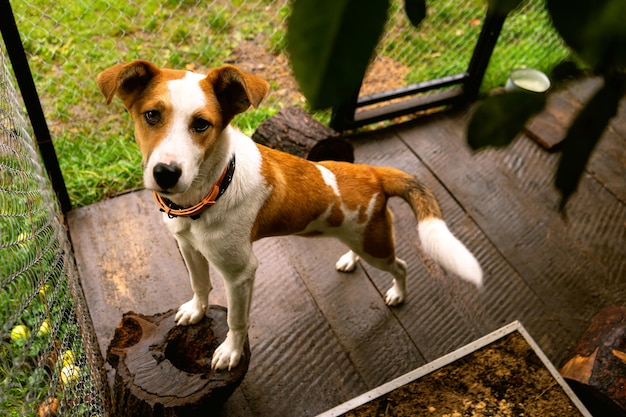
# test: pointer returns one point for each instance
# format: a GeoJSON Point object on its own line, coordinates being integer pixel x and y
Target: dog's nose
{"type": "Point", "coordinates": [166, 175]}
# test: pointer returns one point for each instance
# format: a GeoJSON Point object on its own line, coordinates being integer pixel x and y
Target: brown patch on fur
{"type": "Point", "coordinates": [336, 217]}
{"type": "Point", "coordinates": [142, 87]}
{"type": "Point", "coordinates": [421, 200]}
{"type": "Point", "coordinates": [379, 239]}
{"type": "Point", "coordinates": [298, 197]}
{"type": "Point", "coordinates": [235, 90]}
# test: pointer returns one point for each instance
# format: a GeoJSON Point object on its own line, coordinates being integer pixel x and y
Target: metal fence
{"type": "Point", "coordinates": [70, 42]}
{"type": "Point", "coordinates": [48, 355]}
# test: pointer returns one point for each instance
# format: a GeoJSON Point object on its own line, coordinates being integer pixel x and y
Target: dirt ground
{"type": "Point", "coordinates": [384, 73]}
{"type": "Point", "coordinates": [505, 378]}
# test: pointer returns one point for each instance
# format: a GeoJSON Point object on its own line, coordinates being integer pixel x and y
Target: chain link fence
{"type": "Point", "coordinates": [70, 42]}
{"type": "Point", "coordinates": [444, 43]}
{"type": "Point", "coordinates": [49, 360]}
{"type": "Point", "coordinates": [47, 350]}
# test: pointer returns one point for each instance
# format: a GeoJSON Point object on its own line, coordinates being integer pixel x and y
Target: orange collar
{"type": "Point", "coordinates": [174, 210]}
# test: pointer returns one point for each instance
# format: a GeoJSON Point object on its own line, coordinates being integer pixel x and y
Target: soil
{"type": "Point", "coordinates": [505, 378]}
{"type": "Point", "coordinates": [383, 74]}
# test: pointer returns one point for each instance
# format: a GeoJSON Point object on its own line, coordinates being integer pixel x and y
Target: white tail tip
{"type": "Point", "coordinates": [439, 243]}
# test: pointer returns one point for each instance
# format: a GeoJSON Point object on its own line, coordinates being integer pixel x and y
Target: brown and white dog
{"type": "Point", "coordinates": [192, 157]}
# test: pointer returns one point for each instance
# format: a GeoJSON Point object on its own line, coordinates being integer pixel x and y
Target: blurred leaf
{"type": "Point", "coordinates": [499, 119]}
{"type": "Point", "coordinates": [503, 7]}
{"type": "Point", "coordinates": [584, 134]}
{"type": "Point", "coordinates": [564, 71]}
{"type": "Point", "coordinates": [595, 30]}
{"type": "Point", "coordinates": [415, 11]}
{"type": "Point", "coordinates": [330, 43]}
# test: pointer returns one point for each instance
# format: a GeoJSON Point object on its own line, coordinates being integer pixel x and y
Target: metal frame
{"type": "Point", "coordinates": [445, 360]}
{"type": "Point", "coordinates": [23, 75]}
{"type": "Point", "coordinates": [467, 84]}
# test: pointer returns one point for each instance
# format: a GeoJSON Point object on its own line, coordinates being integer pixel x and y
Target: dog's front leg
{"type": "Point", "coordinates": [238, 283]}
{"type": "Point", "coordinates": [198, 267]}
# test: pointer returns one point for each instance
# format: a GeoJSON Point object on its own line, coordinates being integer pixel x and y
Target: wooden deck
{"type": "Point", "coordinates": [319, 338]}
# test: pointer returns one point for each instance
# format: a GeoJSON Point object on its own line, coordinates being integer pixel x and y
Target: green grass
{"type": "Point", "coordinates": [33, 290]}
{"type": "Point", "coordinates": [70, 42]}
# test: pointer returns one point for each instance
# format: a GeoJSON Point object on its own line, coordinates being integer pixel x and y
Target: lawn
{"type": "Point", "coordinates": [70, 42]}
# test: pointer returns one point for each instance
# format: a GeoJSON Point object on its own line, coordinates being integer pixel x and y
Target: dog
{"type": "Point", "coordinates": [220, 191]}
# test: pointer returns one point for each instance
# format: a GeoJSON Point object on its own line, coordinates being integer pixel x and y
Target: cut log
{"type": "Point", "coordinates": [294, 131]}
{"type": "Point", "coordinates": [596, 368]}
{"type": "Point", "coordinates": [165, 370]}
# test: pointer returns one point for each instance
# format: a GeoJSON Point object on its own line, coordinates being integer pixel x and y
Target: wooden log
{"type": "Point", "coordinates": [294, 131]}
{"type": "Point", "coordinates": [165, 370]}
{"type": "Point", "coordinates": [596, 368]}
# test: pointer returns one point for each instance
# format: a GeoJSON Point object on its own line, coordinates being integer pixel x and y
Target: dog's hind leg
{"type": "Point", "coordinates": [198, 267]}
{"type": "Point", "coordinates": [377, 248]}
{"type": "Point", "coordinates": [397, 268]}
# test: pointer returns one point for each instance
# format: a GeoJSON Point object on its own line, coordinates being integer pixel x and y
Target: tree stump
{"type": "Point", "coordinates": [294, 131]}
{"type": "Point", "coordinates": [596, 368]}
{"type": "Point", "coordinates": [165, 370]}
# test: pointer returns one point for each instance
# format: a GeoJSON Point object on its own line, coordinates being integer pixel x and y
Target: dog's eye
{"type": "Point", "coordinates": [152, 117]}
{"type": "Point", "coordinates": [200, 125]}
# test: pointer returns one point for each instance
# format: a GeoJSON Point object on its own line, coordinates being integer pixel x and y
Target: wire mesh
{"type": "Point", "coordinates": [70, 42]}
{"type": "Point", "coordinates": [47, 346]}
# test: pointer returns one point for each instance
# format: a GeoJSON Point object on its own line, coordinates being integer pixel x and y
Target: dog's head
{"type": "Point", "coordinates": [179, 116]}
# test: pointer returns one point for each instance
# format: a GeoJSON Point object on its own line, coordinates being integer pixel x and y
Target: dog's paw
{"type": "Point", "coordinates": [190, 313]}
{"type": "Point", "coordinates": [347, 263]}
{"type": "Point", "coordinates": [394, 296]}
{"type": "Point", "coordinates": [228, 354]}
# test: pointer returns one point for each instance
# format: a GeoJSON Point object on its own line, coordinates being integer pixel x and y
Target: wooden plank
{"type": "Point", "coordinates": [128, 261]}
{"type": "Point", "coordinates": [442, 313]}
{"type": "Point", "coordinates": [298, 366]}
{"type": "Point", "coordinates": [608, 163]}
{"type": "Point", "coordinates": [595, 217]}
{"type": "Point", "coordinates": [582, 90]}
{"type": "Point", "coordinates": [549, 127]}
{"type": "Point", "coordinates": [619, 122]}
{"type": "Point", "coordinates": [378, 345]}
{"type": "Point", "coordinates": [120, 245]}
{"type": "Point", "coordinates": [529, 235]}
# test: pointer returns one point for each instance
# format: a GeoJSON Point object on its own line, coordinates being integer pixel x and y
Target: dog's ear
{"type": "Point", "coordinates": [236, 90]}
{"type": "Point", "coordinates": [126, 79]}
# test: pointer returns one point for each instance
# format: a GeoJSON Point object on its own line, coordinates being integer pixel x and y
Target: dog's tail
{"type": "Point", "coordinates": [437, 240]}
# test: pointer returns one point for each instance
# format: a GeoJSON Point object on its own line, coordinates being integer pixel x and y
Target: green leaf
{"type": "Point", "coordinates": [503, 7]}
{"type": "Point", "coordinates": [585, 132]}
{"type": "Point", "coordinates": [330, 44]}
{"type": "Point", "coordinates": [595, 30]}
{"type": "Point", "coordinates": [415, 11]}
{"type": "Point", "coordinates": [499, 119]}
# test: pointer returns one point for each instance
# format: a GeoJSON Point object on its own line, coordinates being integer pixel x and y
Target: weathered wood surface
{"type": "Point", "coordinates": [598, 361]}
{"type": "Point", "coordinates": [319, 337]}
{"type": "Point", "coordinates": [165, 370]}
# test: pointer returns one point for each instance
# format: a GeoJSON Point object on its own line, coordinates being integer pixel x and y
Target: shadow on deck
{"type": "Point", "coordinates": [319, 338]}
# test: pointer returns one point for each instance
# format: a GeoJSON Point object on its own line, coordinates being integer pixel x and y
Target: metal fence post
{"type": "Point", "coordinates": [482, 53]}
{"type": "Point", "coordinates": [23, 75]}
